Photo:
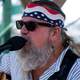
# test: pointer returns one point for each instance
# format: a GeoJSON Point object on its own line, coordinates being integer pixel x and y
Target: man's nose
{"type": "Point", "coordinates": [24, 30]}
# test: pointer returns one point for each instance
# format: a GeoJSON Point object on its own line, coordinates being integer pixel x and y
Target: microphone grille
{"type": "Point", "coordinates": [16, 43]}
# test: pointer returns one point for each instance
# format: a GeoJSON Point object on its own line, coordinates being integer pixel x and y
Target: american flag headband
{"type": "Point", "coordinates": [43, 13]}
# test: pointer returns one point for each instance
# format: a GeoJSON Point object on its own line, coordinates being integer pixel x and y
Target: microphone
{"type": "Point", "coordinates": [14, 43]}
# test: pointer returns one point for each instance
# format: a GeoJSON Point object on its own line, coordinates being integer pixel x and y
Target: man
{"type": "Point", "coordinates": [47, 44]}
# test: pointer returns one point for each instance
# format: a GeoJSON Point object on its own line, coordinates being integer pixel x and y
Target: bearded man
{"type": "Point", "coordinates": [46, 54]}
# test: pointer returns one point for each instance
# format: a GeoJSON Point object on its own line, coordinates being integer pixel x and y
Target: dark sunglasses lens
{"type": "Point", "coordinates": [31, 26]}
{"type": "Point", "coordinates": [19, 24]}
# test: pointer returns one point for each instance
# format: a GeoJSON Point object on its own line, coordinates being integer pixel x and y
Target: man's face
{"type": "Point", "coordinates": [38, 48]}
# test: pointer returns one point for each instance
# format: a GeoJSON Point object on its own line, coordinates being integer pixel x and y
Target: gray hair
{"type": "Point", "coordinates": [67, 40]}
{"type": "Point", "coordinates": [65, 37]}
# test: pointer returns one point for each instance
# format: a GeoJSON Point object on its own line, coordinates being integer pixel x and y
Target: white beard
{"type": "Point", "coordinates": [32, 57]}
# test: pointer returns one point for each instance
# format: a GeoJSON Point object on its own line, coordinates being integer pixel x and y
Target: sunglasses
{"type": "Point", "coordinates": [30, 26]}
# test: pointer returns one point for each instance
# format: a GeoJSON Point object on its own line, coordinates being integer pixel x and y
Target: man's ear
{"type": "Point", "coordinates": [55, 33]}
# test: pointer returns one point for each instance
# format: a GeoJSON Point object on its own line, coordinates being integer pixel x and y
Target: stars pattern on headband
{"type": "Point", "coordinates": [42, 16]}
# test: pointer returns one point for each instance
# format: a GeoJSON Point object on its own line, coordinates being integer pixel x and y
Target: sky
{"type": "Point", "coordinates": [71, 9]}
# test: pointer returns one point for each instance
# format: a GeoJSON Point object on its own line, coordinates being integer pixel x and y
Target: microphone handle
{"type": "Point", "coordinates": [4, 47]}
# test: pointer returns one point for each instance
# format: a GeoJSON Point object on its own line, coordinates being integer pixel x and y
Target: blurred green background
{"type": "Point", "coordinates": [10, 11]}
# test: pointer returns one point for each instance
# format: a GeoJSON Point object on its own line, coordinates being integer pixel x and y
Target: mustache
{"type": "Point", "coordinates": [27, 46]}
{"type": "Point", "coordinates": [29, 41]}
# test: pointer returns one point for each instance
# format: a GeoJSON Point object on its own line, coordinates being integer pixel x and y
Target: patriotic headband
{"type": "Point", "coordinates": [44, 13]}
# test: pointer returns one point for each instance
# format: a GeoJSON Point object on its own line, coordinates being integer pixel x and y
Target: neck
{"type": "Point", "coordinates": [39, 71]}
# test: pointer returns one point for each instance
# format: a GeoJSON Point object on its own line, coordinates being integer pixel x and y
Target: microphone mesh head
{"type": "Point", "coordinates": [16, 43]}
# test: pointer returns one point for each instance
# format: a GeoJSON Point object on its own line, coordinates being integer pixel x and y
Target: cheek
{"type": "Point", "coordinates": [40, 38]}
